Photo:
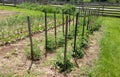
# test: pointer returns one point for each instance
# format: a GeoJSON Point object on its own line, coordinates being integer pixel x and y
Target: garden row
{"type": "Point", "coordinates": [15, 27]}
{"type": "Point", "coordinates": [76, 33]}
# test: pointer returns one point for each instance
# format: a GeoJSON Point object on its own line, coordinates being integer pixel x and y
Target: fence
{"type": "Point", "coordinates": [105, 10]}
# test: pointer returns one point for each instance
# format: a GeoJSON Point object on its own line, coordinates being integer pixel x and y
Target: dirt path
{"type": "Point", "coordinates": [5, 13]}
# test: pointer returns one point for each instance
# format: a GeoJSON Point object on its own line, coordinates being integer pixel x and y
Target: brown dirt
{"type": "Point", "coordinates": [5, 13]}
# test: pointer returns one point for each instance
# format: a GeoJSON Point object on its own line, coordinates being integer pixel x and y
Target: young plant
{"type": "Point", "coordinates": [71, 33]}
{"type": "Point", "coordinates": [96, 26]}
{"type": "Point", "coordinates": [51, 45]}
{"type": "Point", "coordinates": [59, 62]}
{"type": "Point", "coordinates": [60, 41]}
{"type": "Point", "coordinates": [78, 52]}
{"type": "Point", "coordinates": [36, 51]}
{"type": "Point", "coordinates": [84, 43]}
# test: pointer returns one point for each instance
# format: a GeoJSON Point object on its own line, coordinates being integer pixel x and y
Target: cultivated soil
{"type": "Point", "coordinates": [5, 13]}
{"type": "Point", "coordinates": [13, 60]}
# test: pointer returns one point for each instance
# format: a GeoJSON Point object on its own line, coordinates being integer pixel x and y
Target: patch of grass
{"type": "Point", "coordinates": [109, 57]}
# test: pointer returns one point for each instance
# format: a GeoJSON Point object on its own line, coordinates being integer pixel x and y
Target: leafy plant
{"type": "Point", "coordinates": [60, 41]}
{"type": "Point", "coordinates": [84, 42]}
{"type": "Point", "coordinates": [78, 53]}
{"type": "Point", "coordinates": [37, 7]}
{"type": "Point", "coordinates": [59, 62]}
{"type": "Point", "coordinates": [36, 51]}
{"type": "Point", "coordinates": [69, 9]}
{"type": "Point", "coordinates": [96, 26]}
{"type": "Point", "coordinates": [51, 45]}
{"type": "Point", "coordinates": [71, 33]}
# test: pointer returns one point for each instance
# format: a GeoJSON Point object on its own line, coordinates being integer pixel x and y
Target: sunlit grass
{"type": "Point", "coordinates": [109, 58]}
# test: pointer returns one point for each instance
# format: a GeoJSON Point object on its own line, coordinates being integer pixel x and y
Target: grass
{"type": "Point", "coordinates": [109, 57]}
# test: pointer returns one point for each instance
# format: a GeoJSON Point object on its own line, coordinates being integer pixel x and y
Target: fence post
{"type": "Point", "coordinates": [102, 10]}
{"type": "Point", "coordinates": [65, 49]}
{"type": "Point", "coordinates": [76, 25]}
{"type": "Point", "coordinates": [15, 1]}
{"type": "Point", "coordinates": [63, 21]}
{"type": "Point", "coordinates": [46, 34]}
{"type": "Point", "coordinates": [55, 26]}
{"type": "Point", "coordinates": [30, 37]}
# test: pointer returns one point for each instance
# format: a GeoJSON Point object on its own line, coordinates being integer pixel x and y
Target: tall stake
{"type": "Point", "coordinates": [65, 50]}
{"type": "Point", "coordinates": [30, 37]}
{"type": "Point", "coordinates": [88, 22]}
{"type": "Point", "coordinates": [76, 25]}
{"type": "Point", "coordinates": [46, 34]}
{"type": "Point", "coordinates": [69, 19]}
{"type": "Point", "coordinates": [63, 21]}
{"type": "Point", "coordinates": [73, 18]}
{"type": "Point", "coordinates": [55, 26]}
{"type": "Point", "coordinates": [84, 23]}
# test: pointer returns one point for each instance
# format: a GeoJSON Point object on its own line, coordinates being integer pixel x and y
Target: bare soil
{"type": "Point", "coordinates": [5, 13]}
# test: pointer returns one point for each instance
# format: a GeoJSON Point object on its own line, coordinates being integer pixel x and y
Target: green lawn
{"type": "Point", "coordinates": [108, 64]}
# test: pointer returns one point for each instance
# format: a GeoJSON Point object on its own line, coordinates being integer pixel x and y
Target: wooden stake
{"type": "Point", "coordinates": [30, 37]}
{"type": "Point", "coordinates": [46, 34]}
{"type": "Point", "coordinates": [65, 50]}
{"type": "Point", "coordinates": [55, 27]}
{"type": "Point", "coordinates": [76, 25]}
{"type": "Point", "coordinates": [63, 21]}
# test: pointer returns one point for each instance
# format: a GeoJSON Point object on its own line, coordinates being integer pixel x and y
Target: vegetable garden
{"type": "Point", "coordinates": [46, 30]}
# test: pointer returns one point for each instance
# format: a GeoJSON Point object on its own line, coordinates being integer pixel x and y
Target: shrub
{"type": "Point", "coordinates": [59, 62]}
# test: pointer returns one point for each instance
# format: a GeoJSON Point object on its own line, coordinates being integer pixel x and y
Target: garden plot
{"type": "Point", "coordinates": [13, 61]}
{"type": "Point", "coordinates": [16, 58]}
